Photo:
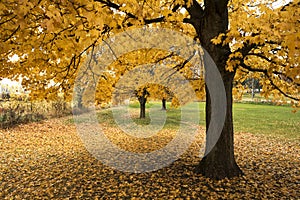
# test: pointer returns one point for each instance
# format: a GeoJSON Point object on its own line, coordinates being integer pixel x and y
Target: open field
{"type": "Point", "coordinates": [269, 120]}
{"type": "Point", "coordinates": [48, 160]}
{"type": "Point", "coordinates": [277, 121]}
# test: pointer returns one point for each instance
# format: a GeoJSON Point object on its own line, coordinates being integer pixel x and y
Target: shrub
{"type": "Point", "coordinates": [16, 112]}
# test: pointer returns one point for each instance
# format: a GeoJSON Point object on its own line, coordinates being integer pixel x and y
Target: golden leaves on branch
{"type": "Point", "coordinates": [49, 37]}
{"type": "Point", "coordinates": [265, 40]}
{"type": "Point", "coordinates": [156, 87]}
{"type": "Point", "coordinates": [56, 35]}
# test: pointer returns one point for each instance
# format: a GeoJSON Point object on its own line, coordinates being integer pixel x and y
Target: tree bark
{"type": "Point", "coordinates": [142, 101]}
{"type": "Point", "coordinates": [252, 89]}
{"type": "Point", "coordinates": [220, 161]}
{"type": "Point", "coordinates": [79, 103]}
{"type": "Point", "coordinates": [164, 106]}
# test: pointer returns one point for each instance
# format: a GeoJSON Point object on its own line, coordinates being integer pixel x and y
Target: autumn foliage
{"type": "Point", "coordinates": [46, 43]}
{"type": "Point", "coordinates": [50, 39]}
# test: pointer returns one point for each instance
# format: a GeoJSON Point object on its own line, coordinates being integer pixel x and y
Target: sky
{"type": "Point", "coordinates": [279, 3]}
{"type": "Point", "coordinates": [7, 81]}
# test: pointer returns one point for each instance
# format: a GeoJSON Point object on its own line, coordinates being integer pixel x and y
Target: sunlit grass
{"type": "Point", "coordinates": [267, 119]}
{"type": "Point", "coordinates": [270, 120]}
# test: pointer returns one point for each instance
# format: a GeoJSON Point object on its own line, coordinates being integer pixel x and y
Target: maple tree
{"type": "Point", "coordinates": [144, 74]}
{"type": "Point", "coordinates": [44, 42]}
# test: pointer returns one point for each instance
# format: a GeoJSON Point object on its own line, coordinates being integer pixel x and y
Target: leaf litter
{"type": "Point", "coordinates": [48, 160]}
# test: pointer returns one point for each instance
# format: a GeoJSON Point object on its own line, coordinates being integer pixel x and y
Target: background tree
{"type": "Point", "coordinates": [162, 93]}
{"type": "Point", "coordinates": [128, 69]}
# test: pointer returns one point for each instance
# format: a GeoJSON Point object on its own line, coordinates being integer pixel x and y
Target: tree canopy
{"type": "Point", "coordinates": [51, 38]}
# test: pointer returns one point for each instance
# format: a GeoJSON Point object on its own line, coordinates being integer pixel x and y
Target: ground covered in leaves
{"type": "Point", "coordinates": [48, 160]}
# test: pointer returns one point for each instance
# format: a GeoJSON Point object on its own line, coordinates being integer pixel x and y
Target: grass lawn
{"type": "Point", "coordinates": [269, 120]}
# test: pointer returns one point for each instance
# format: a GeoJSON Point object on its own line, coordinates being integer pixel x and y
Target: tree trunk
{"type": "Point", "coordinates": [142, 101]}
{"type": "Point", "coordinates": [79, 103]}
{"type": "Point", "coordinates": [219, 162]}
{"type": "Point", "coordinates": [164, 106]}
{"type": "Point", "coordinates": [252, 89]}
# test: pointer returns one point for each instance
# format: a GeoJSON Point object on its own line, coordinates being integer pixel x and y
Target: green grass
{"type": "Point", "coordinates": [172, 121]}
{"type": "Point", "coordinates": [270, 120]}
{"type": "Point", "coordinates": [173, 115]}
{"type": "Point", "coordinates": [262, 118]}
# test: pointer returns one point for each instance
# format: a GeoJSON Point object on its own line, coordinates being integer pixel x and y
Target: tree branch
{"type": "Point", "coordinates": [110, 4]}
{"type": "Point", "coordinates": [179, 66]}
{"type": "Point", "coordinates": [12, 34]}
{"type": "Point", "coordinates": [281, 91]}
{"type": "Point", "coordinates": [8, 20]}
{"type": "Point", "coordinates": [265, 58]}
{"type": "Point", "coordinates": [196, 12]}
{"type": "Point", "coordinates": [265, 72]}
{"type": "Point", "coordinates": [242, 64]}
{"type": "Point", "coordinates": [155, 20]}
